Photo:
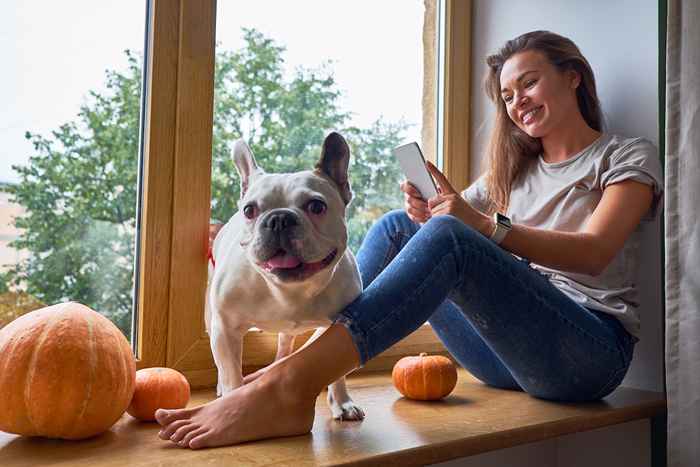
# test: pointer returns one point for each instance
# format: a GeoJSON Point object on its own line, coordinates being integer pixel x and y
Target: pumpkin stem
{"type": "Point", "coordinates": [423, 354]}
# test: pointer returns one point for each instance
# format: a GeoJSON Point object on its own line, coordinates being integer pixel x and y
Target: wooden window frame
{"type": "Point", "coordinates": [179, 89]}
{"type": "Point", "coordinates": [457, 86]}
{"type": "Point", "coordinates": [175, 206]}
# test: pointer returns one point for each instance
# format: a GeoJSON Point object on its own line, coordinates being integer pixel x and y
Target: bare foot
{"type": "Point", "coordinates": [262, 409]}
{"type": "Point", "coordinates": [249, 378]}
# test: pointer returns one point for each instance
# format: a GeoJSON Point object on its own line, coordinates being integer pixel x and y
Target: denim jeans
{"type": "Point", "coordinates": [500, 319]}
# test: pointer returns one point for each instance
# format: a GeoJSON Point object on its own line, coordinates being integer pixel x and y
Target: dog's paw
{"type": "Point", "coordinates": [345, 411]}
{"type": "Point", "coordinates": [348, 411]}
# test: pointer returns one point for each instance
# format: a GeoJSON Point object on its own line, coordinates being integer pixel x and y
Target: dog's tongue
{"type": "Point", "coordinates": [283, 261]}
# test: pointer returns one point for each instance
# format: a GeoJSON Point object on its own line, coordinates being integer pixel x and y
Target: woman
{"type": "Point", "coordinates": [561, 327]}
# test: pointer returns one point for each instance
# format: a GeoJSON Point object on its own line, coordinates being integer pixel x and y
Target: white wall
{"type": "Point", "coordinates": [620, 40]}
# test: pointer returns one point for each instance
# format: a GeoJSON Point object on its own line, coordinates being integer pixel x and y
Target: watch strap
{"type": "Point", "coordinates": [501, 230]}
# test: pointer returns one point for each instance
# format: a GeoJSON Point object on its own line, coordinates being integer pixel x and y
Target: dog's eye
{"type": "Point", "coordinates": [316, 206]}
{"type": "Point", "coordinates": [250, 211]}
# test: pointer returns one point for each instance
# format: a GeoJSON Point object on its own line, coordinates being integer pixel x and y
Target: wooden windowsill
{"type": "Point", "coordinates": [397, 431]}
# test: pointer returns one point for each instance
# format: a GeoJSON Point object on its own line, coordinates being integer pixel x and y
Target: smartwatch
{"type": "Point", "coordinates": [503, 226]}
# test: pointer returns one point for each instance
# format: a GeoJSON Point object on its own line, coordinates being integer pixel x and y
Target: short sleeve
{"type": "Point", "coordinates": [477, 194]}
{"type": "Point", "coordinates": [637, 160]}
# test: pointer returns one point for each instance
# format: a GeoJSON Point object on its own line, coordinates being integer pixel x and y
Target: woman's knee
{"type": "Point", "coordinates": [396, 217]}
{"type": "Point", "coordinates": [447, 227]}
{"type": "Point", "coordinates": [397, 222]}
{"type": "Point", "coordinates": [385, 238]}
{"type": "Point", "coordinates": [448, 222]}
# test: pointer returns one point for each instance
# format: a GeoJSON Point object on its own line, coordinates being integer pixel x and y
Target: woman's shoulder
{"type": "Point", "coordinates": [632, 159]}
{"type": "Point", "coordinates": [616, 146]}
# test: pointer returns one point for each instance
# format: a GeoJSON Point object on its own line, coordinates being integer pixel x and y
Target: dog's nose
{"type": "Point", "coordinates": [279, 221]}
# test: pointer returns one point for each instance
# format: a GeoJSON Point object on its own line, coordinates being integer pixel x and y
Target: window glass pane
{"type": "Point", "coordinates": [71, 94]}
{"type": "Point", "coordinates": [284, 80]}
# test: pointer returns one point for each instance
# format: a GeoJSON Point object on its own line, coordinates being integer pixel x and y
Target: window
{"type": "Point", "coordinates": [278, 89]}
{"type": "Point", "coordinates": [179, 177]}
{"type": "Point", "coordinates": [283, 85]}
{"type": "Point", "coordinates": [69, 170]}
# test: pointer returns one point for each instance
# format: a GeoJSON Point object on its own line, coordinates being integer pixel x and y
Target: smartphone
{"type": "Point", "coordinates": [413, 166]}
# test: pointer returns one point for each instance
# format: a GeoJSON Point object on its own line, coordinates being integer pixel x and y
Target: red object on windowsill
{"type": "Point", "coordinates": [214, 229]}
{"type": "Point", "coordinates": [210, 257]}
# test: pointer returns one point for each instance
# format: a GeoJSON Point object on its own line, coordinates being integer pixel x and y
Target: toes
{"type": "Point", "coordinates": [168, 431]}
{"type": "Point", "coordinates": [200, 441]}
{"type": "Point", "coordinates": [190, 436]}
{"type": "Point", "coordinates": [164, 417]}
{"type": "Point", "coordinates": [182, 431]}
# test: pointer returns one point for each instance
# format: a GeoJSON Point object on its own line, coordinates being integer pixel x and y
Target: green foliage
{"type": "Point", "coordinates": [4, 287]}
{"type": "Point", "coordinates": [79, 188]}
{"type": "Point", "coordinates": [79, 193]}
{"type": "Point", "coordinates": [285, 123]}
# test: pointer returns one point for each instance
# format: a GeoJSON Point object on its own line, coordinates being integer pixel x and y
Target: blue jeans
{"type": "Point", "coordinates": [501, 320]}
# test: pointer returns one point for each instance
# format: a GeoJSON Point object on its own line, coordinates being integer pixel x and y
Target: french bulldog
{"type": "Point", "coordinates": [281, 263]}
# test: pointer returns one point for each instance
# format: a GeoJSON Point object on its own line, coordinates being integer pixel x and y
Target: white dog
{"type": "Point", "coordinates": [282, 263]}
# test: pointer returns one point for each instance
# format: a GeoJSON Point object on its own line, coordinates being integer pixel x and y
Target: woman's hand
{"type": "Point", "coordinates": [416, 207]}
{"type": "Point", "coordinates": [449, 201]}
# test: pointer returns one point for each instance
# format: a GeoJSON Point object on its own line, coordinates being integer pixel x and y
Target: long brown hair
{"type": "Point", "coordinates": [510, 149]}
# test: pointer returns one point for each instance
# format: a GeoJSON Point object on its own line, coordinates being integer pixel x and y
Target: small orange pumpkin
{"type": "Point", "coordinates": [424, 377]}
{"type": "Point", "coordinates": [66, 372]}
{"type": "Point", "coordinates": [158, 388]}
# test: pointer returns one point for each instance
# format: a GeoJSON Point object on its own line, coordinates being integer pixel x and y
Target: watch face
{"type": "Point", "coordinates": [503, 220]}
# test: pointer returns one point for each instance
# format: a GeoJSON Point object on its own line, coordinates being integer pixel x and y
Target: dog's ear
{"type": "Point", "coordinates": [245, 164]}
{"type": "Point", "coordinates": [334, 162]}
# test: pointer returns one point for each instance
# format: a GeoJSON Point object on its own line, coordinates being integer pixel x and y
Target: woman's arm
{"type": "Point", "coordinates": [618, 213]}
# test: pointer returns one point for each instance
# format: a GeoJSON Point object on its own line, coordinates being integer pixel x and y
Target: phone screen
{"type": "Point", "coordinates": [413, 166]}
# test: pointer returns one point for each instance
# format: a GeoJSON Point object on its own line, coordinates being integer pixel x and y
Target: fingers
{"type": "Point", "coordinates": [415, 206]}
{"type": "Point", "coordinates": [442, 181]}
{"type": "Point", "coordinates": [418, 214]}
{"type": "Point", "coordinates": [410, 190]}
{"type": "Point", "coordinates": [419, 217]}
{"type": "Point", "coordinates": [435, 202]}
{"type": "Point", "coordinates": [417, 203]}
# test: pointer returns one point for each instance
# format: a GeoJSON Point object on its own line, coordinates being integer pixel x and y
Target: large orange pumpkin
{"type": "Point", "coordinates": [158, 388]}
{"type": "Point", "coordinates": [425, 377]}
{"type": "Point", "coordinates": [65, 372]}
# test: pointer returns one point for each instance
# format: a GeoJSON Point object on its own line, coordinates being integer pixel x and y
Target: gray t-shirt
{"type": "Point", "coordinates": [563, 195]}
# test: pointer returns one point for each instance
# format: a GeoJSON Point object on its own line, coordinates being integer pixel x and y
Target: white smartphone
{"type": "Point", "coordinates": [413, 166]}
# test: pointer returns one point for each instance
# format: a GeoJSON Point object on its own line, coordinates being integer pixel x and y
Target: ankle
{"type": "Point", "coordinates": [292, 382]}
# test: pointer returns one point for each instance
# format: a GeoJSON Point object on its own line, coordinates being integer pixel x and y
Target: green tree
{"type": "Point", "coordinates": [285, 121]}
{"type": "Point", "coordinates": [79, 188]}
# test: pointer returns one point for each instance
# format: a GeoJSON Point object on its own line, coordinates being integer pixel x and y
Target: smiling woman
{"type": "Point", "coordinates": [533, 92]}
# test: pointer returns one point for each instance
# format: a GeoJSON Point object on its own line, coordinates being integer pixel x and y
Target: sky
{"type": "Point", "coordinates": [55, 52]}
